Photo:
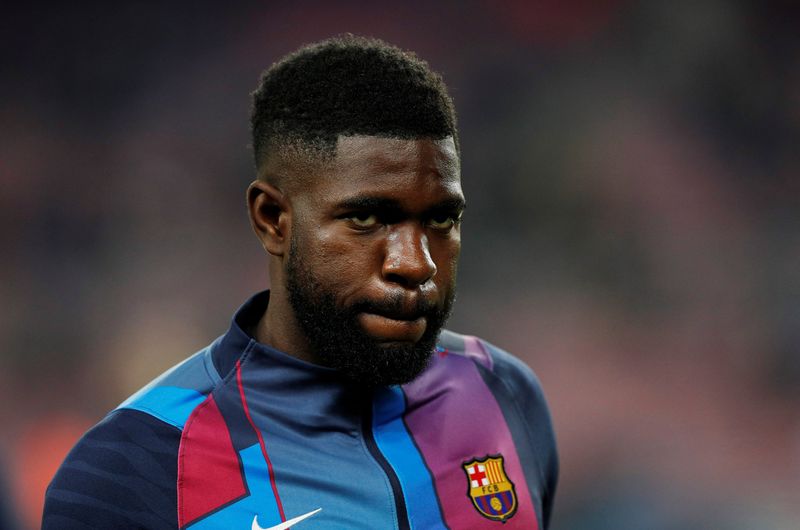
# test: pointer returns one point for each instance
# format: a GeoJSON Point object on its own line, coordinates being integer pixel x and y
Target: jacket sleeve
{"type": "Point", "coordinates": [121, 474]}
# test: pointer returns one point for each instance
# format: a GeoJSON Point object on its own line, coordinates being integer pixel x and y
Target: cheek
{"type": "Point", "coordinates": [446, 258]}
{"type": "Point", "coordinates": [345, 256]}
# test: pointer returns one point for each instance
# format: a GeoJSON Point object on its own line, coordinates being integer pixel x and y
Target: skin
{"type": "Point", "coordinates": [381, 219]}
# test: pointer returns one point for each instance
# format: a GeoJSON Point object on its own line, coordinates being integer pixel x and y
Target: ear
{"type": "Point", "coordinates": [270, 216]}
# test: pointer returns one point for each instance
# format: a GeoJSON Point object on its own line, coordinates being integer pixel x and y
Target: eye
{"type": "Point", "coordinates": [443, 222]}
{"type": "Point", "coordinates": [363, 220]}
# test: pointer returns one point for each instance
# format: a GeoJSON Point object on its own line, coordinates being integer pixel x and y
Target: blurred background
{"type": "Point", "coordinates": [632, 171]}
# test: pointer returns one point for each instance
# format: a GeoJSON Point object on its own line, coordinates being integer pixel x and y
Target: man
{"type": "Point", "coordinates": [335, 400]}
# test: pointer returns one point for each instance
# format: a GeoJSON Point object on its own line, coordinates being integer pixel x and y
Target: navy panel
{"type": "Point", "coordinates": [122, 474]}
{"type": "Point", "coordinates": [519, 394]}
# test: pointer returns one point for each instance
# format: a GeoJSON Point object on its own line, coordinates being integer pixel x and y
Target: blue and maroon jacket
{"type": "Point", "coordinates": [242, 436]}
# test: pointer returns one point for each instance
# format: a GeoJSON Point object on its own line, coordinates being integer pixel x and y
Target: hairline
{"type": "Point", "coordinates": [307, 157]}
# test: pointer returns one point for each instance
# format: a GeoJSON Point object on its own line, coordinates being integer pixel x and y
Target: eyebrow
{"type": "Point", "coordinates": [388, 205]}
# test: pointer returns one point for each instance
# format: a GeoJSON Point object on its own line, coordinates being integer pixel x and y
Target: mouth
{"type": "Point", "coordinates": [393, 328]}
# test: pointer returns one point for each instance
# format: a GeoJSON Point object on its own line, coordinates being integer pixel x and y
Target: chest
{"type": "Point", "coordinates": [416, 461]}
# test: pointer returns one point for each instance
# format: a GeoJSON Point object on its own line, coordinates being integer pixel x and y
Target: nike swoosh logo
{"type": "Point", "coordinates": [284, 525]}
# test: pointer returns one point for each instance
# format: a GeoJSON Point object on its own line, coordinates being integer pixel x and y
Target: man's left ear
{"type": "Point", "coordinates": [270, 216]}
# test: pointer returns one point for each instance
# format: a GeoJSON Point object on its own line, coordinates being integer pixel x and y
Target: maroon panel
{"type": "Point", "coordinates": [209, 475]}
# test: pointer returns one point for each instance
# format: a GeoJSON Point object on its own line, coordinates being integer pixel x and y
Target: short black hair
{"type": "Point", "coordinates": [348, 85]}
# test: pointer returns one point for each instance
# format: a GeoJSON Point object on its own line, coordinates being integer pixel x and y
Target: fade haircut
{"type": "Point", "coordinates": [343, 86]}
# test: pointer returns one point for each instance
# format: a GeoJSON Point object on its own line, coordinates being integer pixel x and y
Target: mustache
{"type": "Point", "coordinates": [396, 306]}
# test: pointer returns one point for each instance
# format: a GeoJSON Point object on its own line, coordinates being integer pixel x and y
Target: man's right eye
{"type": "Point", "coordinates": [363, 220]}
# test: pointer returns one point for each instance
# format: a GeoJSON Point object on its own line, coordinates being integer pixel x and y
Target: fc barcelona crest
{"type": "Point", "coordinates": [490, 489]}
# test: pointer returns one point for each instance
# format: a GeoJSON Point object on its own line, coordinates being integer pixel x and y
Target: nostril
{"type": "Point", "coordinates": [398, 279]}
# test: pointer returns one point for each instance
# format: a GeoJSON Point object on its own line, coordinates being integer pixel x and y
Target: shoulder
{"type": "Point", "coordinates": [493, 361]}
{"type": "Point", "coordinates": [122, 473]}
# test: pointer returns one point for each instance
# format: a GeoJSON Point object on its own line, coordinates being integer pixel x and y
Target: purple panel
{"type": "Point", "coordinates": [454, 418]}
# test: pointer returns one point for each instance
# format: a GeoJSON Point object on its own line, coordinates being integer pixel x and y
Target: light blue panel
{"type": "Point", "coordinates": [396, 444]}
{"type": "Point", "coordinates": [167, 403]}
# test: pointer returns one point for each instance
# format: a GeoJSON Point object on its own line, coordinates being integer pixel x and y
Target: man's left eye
{"type": "Point", "coordinates": [442, 222]}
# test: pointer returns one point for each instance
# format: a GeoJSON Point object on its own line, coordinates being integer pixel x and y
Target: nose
{"type": "Point", "coordinates": [408, 259]}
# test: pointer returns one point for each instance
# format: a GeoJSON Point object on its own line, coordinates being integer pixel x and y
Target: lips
{"type": "Point", "coordinates": [395, 317]}
{"type": "Point", "coordinates": [395, 328]}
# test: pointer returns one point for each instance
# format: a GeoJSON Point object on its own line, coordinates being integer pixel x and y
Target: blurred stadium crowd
{"type": "Point", "coordinates": [632, 172]}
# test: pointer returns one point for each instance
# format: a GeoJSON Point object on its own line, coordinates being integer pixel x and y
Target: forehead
{"type": "Point", "coordinates": [369, 165]}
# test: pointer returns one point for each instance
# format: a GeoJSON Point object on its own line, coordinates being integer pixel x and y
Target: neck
{"type": "Point", "coordinates": [279, 329]}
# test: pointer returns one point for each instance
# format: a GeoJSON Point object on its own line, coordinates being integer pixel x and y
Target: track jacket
{"type": "Point", "coordinates": [242, 436]}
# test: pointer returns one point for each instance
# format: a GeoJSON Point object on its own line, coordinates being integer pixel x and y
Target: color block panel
{"type": "Point", "coordinates": [398, 448]}
{"type": "Point", "coordinates": [209, 474]}
{"type": "Point", "coordinates": [454, 418]}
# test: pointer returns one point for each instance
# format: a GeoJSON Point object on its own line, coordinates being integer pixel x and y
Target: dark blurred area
{"type": "Point", "coordinates": [633, 234]}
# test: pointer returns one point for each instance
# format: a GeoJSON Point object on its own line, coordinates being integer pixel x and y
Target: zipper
{"type": "Point", "coordinates": [375, 452]}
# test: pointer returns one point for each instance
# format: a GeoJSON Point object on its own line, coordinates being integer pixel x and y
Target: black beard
{"type": "Point", "coordinates": [338, 340]}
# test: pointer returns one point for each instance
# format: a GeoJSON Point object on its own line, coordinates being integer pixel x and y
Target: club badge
{"type": "Point", "coordinates": [489, 488]}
